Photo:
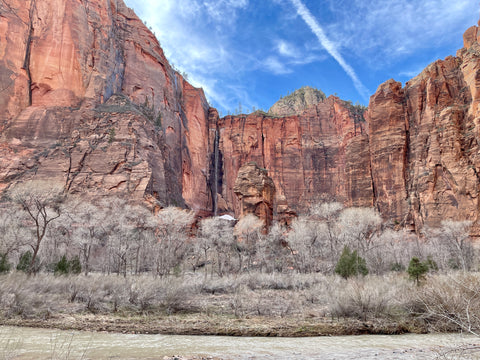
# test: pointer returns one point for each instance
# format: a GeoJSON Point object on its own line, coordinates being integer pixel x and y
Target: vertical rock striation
{"type": "Point", "coordinates": [317, 154]}
{"type": "Point", "coordinates": [87, 98]}
{"type": "Point", "coordinates": [424, 141]}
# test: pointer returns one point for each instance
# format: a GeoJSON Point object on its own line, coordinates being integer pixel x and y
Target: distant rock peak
{"type": "Point", "coordinates": [297, 101]}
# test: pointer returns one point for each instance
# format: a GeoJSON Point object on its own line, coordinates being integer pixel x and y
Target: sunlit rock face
{"type": "Point", "coordinates": [424, 141]}
{"type": "Point", "coordinates": [320, 153]}
{"type": "Point", "coordinates": [297, 101]}
{"type": "Point", "coordinates": [88, 99]}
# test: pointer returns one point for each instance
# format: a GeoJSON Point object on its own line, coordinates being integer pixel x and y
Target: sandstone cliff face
{"type": "Point", "coordinates": [61, 62]}
{"type": "Point", "coordinates": [88, 99]}
{"type": "Point", "coordinates": [424, 142]}
{"type": "Point", "coordinates": [255, 191]}
{"type": "Point", "coordinates": [320, 153]}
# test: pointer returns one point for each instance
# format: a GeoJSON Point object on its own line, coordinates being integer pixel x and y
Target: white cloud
{"type": "Point", "coordinates": [204, 38]}
{"type": "Point", "coordinates": [286, 48]}
{"type": "Point", "coordinates": [192, 34]}
{"type": "Point", "coordinates": [331, 47]}
{"type": "Point", "coordinates": [381, 31]}
{"type": "Point", "coordinates": [223, 10]}
{"type": "Point", "coordinates": [199, 38]}
{"type": "Point", "coordinates": [274, 65]}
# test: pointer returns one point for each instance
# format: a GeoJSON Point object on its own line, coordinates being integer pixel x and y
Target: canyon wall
{"type": "Point", "coordinates": [424, 142]}
{"type": "Point", "coordinates": [320, 154]}
{"type": "Point", "coordinates": [88, 99]}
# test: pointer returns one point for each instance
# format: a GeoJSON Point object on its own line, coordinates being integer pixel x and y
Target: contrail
{"type": "Point", "coordinates": [329, 46]}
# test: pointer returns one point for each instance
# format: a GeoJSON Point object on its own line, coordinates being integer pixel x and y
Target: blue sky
{"type": "Point", "coordinates": [251, 52]}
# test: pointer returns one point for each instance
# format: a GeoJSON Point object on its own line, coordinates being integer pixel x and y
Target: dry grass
{"type": "Point", "coordinates": [451, 302]}
{"type": "Point", "coordinates": [306, 302]}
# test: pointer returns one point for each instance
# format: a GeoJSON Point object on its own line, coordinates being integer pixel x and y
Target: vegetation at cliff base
{"type": "Point", "coordinates": [350, 264]}
{"type": "Point", "coordinates": [61, 254]}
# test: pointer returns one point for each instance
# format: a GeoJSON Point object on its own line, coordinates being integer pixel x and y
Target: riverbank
{"type": "Point", "coordinates": [268, 305]}
{"type": "Point", "coordinates": [199, 324]}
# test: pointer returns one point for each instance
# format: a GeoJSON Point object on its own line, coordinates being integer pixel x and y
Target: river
{"type": "Point", "coordinates": [30, 343]}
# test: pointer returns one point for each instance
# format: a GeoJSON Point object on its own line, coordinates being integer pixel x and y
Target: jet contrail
{"type": "Point", "coordinates": [329, 46]}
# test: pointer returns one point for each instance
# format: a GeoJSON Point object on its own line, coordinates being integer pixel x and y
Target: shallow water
{"type": "Point", "coordinates": [28, 343]}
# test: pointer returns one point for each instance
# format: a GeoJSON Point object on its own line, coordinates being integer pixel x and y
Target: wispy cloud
{"type": "Point", "coordinates": [286, 48]}
{"type": "Point", "coordinates": [329, 46]}
{"type": "Point", "coordinates": [226, 46]}
{"type": "Point", "coordinates": [192, 34]}
{"type": "Point", "coordinates": [274, 65]}
{"type": "Point", "coordinates": [201, 38]}
{"type": "Point", "coordinates": [222, 10]}
{"type": "Point", "coordinates": [410, 73]}
{"type": "Point", "coordinates": [383, 31]}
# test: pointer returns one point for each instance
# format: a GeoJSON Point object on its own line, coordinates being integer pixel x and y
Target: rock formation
{"type": "Point", "coordinates": [296, 102]}
{"type": "Point", "coordinates": [88, 99]}
{"type": "Point", "coordinates": [255, 191]}
{"type": "Point", "coordinates": [321, 152]}
{"type": "Point", "coordinates": [424, 142]}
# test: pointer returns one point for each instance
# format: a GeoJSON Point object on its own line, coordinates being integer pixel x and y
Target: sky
{"type": "Point", "coordinates": [246, 54]}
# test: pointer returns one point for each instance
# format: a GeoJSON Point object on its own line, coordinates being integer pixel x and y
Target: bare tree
{"type": "Point", "coordinates": [116, 244]}
{"type": "Point", "coordinates": [171, 243]}
{"type": "Point", "coordinates": [357, 227]}
{"type": "Point", "coordinates": [392, 250]}
{"type": "Point", "coordinates": [452, 240]}
{"type": "Point", "coordinates": [248, 230]}
{"type": "Point", "coordinates": [12, 233]}
{"type": "Point", "coordinates": [88, 226]}
{"type": "Point", "coordinates": [314, 238]}
{"type": "Point", "coordinates": [328, 212]}
{"type": "Point", "coordinates": [306, 243]}
{"type": "Point", "coordinates": [41, 203]}
{"type": "Point", "coordinates": [216, 244]}
{"type": "Point", "coordinates": [272, 250]}
{"type": "Point", "coordinates": [143, 225]}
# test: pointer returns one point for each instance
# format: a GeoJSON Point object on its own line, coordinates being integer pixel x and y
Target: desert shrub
{"type": "Point", "coordinates": [62, 267]}
{"type": "Point", "coordinates": [417, 269]}
{"type": "Point", "coordinates": [65, 266]}
{"type": "Point", "coordinates": [452, 302]}
{"type": "Point", "coordinates": [4, 264]}
{"type": "Point", "coordinates": [75, 266]}
{"type": "Point", "coordinates": [222, 285]}
{"type": "Point", "coordinates": [367, 297]}
{"type": "Point", "coordinates": [398, 267]}
{"type": "Point", "coordinates": [432, 264]}
{"type": "Point", "coordinates": [350, 264]}
{"type": "Point", "coordinates": [25, 261]}
{"type": "Point", "coordinates": [178, 297]}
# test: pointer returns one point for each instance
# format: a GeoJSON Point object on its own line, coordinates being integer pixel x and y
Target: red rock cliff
{"type": "Point", "coordinates": [424, 141]}
{"type": "Point", "coordinates": [322, 152]}
{"type": "Point", "coordinates": [89, 99]}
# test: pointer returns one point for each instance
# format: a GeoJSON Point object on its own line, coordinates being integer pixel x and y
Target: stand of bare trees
{"type": "Point", "coordinates": [112, 235]}
{"type": "Point", "coordinates": [43, 230]}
